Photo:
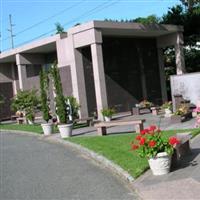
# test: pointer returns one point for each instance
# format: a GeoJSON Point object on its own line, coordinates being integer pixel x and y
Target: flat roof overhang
{"type": "Point", "coordinates": [45, 45]}
{"type": "Point", "coordinates": [127, 29]}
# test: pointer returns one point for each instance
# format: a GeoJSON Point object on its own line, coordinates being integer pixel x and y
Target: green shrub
{"type": "Point", "coordinates": [60, 99]}
{"type": "Point", "coordinates": [74, 106]}
{"type": "Point", "coordinates": [44, 86]}
{"type": "Point", "coordinates": [26, 101]}
{"type": "Point", "coordinates": [108, 112]}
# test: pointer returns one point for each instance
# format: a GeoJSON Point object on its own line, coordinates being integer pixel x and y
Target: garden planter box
{"type": "Point", "coordinates": [181, 118]}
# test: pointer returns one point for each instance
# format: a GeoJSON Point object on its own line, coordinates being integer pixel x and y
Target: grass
{"type": "Point", "coordinates": [117, 148]}
{"type": "Point", "coordinates": [35, 128]}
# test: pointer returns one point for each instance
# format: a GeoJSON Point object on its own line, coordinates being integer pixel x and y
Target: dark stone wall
{"type": "Point", "coordinates": [89, 80]}
{"type": "Point", "coordinates": [124, 61]}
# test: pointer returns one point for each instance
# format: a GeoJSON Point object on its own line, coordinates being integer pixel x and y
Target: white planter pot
{"type": "Point", "coordinates": [65, 130]}
{"type": "Point", "coordinates": [160, 165]}
{"type": "Point", "coordinates": [47, 128]}
{"type": "Point", "coordinates": [168, 111]}
{"type": "Point", "coordinates": [107, 119]}
{"type": "Point", "coordinates": [30, 122]}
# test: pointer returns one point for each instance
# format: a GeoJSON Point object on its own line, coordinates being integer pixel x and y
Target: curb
{"type": "Point", "coordinates": [116, 169]}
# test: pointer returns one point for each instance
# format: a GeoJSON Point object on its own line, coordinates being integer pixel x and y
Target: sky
{"type": "Point", "coordinates": [34, 19]}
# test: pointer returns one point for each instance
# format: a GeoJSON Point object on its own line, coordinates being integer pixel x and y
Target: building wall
{"type": "Point", "coordinates": [186, 85]}
{"type": "Point", "coordinates": [6, 89]}
{"type": "Point", "coordinates": [125, 59]}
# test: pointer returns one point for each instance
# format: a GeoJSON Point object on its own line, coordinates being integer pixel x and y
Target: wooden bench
{"type": "Point", "coordinates": [13, 117]}
{"type": "Point", "coordinates": [101, 127]}
{"type": "Point", "coordinates": [181, 149]}
{"type": "Point", "coordinates": [89, 120]}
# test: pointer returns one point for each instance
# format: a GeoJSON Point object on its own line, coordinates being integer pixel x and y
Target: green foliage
{"type": "Point", "coordinates": [167, 105]}
{"type": "Point", "coordinates": [59, 28]}
{"type": "Point", "coordinates": [108, 112]}
{"type": "Point", "coordinates": [150, 142]}
{"type": "Point", "coordinates": [60, 99]}
{"type": "Point", "coordinates": [116, 147]}
{"type": "Point", "coordinates": [44, 86]}
{"type": "Point", "coordinates": [26, 101]}
{"type": "Point", "coordinates": [151, 19]}
{"type": "Point", "coordinates": [74, 106]}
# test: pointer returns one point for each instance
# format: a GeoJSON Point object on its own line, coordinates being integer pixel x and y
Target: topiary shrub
{"type": "Point", "coordinates": [59, 99]}
{"type": "Point", "coordinates": [74, 106]}
{"type": "Point", "coordinates": [44, 86]}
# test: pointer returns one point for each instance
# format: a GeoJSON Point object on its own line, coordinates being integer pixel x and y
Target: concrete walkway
{"type": "Point", "coordinates": [31, 168]}
{"type": "Point", "coordinates": [182, 183]}
{"type": "Point", "coordinates": [161, 121]}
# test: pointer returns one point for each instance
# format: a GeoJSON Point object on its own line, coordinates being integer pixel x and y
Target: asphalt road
{"type": "Point", "coordinates": [33, 169]}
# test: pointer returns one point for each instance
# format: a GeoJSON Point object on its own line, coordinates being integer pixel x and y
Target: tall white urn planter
{"type": "Point", "coordinates": [65, 130]}
{"type": "Point", "coordinates": [107, 119]}
{"type": "Point", "coordinates": [47, 128]}
{"type": "Point", "coordinates": [160, 164]}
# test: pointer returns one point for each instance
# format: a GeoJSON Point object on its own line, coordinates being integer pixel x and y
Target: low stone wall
{"type": "Point", "coordinates": [187, 85]}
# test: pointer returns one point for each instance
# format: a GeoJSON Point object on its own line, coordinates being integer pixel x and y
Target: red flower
{"type": "Point", "coordinates": [142, 141]}
{"type": "Point", "coordinates": [152, 128]}
{"type": "Point", "coordinates": [143, 132]}
{"type": "Point", "coordinates": [173, 141]}
{"type": "Point", "coordinates": [138, 137]}
{"type": "Point", "coordinates": [152, 143]}
{"type": "Point", "coordinates": [134, 147]}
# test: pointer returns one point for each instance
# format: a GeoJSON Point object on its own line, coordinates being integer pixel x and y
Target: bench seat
{"type": "Point", "coordinates": [101, 126]}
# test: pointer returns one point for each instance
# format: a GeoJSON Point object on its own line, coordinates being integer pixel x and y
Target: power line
{"type": "Point", "coordinates": [90, 12]}
{"type": "Point", "coordinates": [46, 19]}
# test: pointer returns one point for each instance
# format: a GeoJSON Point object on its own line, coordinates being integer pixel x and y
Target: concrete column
{"type": "Point", "coordinates": [99, 78]}
{"type": "Point", "coordinates": [14, 79]}
{"type": "Point", "coordinates": [73, 57]}
{"type": "Point", "coordinates": [21, 72]}
{"type": "Point", "coordinates": [162, 74]}
{"type": "Point", "coordinates": [179, 54]}
{"type": "Point", "coordinates": [78, 83]}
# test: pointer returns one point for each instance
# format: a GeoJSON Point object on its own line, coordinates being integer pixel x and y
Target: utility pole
{"type": "Point", "coordinates": [11, 31]}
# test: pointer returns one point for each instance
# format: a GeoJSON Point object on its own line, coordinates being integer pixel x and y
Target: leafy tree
{"type": "Point", "coordinates": [26, 101]}
{"type": "Point", "coordinates": [190, 4]}
{"type": "Point", "coordinates": [147, 20]}
{"type": "Point", "coordinates": [60, 99]}
{"type": "Point", "coordinates": [44, 86]}
{"type": "Point", "coordinates": [59, 28]}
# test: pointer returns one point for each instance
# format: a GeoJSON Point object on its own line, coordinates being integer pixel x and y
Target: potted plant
{"type": "Point", "coordinates": [167, 107]}
{"type": "Point", "coordinates": [181, 114]}
{"type": "Point", "coordinates": [26, 102]}
{"type": "Point", "coordinates": [157, 149]}
{"type": "Point", "coordinates": [44, 86]}
{"type": "Point", "coordinates": [145, 104]}
{"type": "Point", "coordinates": [65, 125]}
{"type": "Point", "coordinates": [108, 113]}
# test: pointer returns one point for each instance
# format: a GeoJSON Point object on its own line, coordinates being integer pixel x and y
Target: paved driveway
{"type": "Point", "coordinates": [31, 168]}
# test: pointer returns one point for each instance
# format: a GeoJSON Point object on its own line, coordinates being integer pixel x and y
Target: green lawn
{"type": "Point", "coordinates": [117, 148]}
{"type": "Point", "coordinates": [36, 128]}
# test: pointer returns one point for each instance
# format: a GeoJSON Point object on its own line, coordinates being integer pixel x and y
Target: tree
{"type": "Point", "coordinates": [151, 19]}
{"type": "Point", "coordinates": [59, 28]}
{"type": "Point", "coordinates": [60, 99]}
{"type": "Point", "coordinates": [190, 4]}
{"type": "Point", "coordinates": [44, 86]}
{"type": "Point", "coordinates": [26, 101]}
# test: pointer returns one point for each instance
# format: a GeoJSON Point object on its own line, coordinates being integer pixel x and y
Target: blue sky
{"type": "Point", "coordinates": [45, 13]}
